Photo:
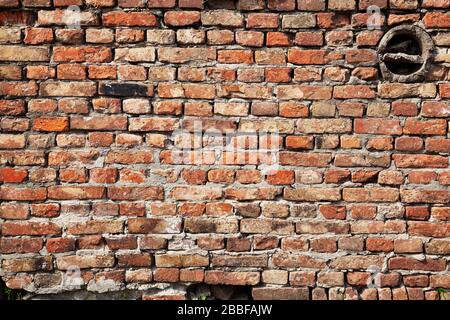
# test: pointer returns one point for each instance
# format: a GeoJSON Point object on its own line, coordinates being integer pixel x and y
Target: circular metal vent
{"type": "Point", "coordinates": [405, 54]}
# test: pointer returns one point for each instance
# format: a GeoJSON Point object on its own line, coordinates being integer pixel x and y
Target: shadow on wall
{"type": "Point", "coordinates": [9, 294]}
{"type": "Point", "coordinates": [218, 292]}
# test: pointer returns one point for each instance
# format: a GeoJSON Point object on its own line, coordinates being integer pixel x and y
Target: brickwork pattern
{"type": "Point", "coordinates": [97, 100]}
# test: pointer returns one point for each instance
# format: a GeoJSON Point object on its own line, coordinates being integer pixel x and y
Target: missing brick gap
{"type": "Point", "coordinates": [10, 294]}
{"type": "Point", "coordinates": [219, 292]}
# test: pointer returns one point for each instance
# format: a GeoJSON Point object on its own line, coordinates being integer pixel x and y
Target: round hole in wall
{"type": "Point", "coordinates": [405, 54]}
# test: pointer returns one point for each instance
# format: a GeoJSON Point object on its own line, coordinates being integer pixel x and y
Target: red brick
{"type": "Point", "coordinates": [421, 177]}
{"type": "Point", "coordinates": [250, 38]}
{"type": "Point", "coordinates": [43, 263]}
{"type": "Point", "coordinates": [353, 91]}
{"type": "Point", "coordinates": [404, 263]}
{"type": "Point", "coordinates": [355, 165]}
{"type": "Point", "coordinates": [379, 244]}
{"type": "Point", "coordinates": [360, 55]}
{"type": "Point", "coordinates": [38, 35]}
{"type": "Point", "coordinates": [22, 194]}
{"type": "Point", "coordinates": [12, 107]}
{"type": "Point", "coordinates": [328, 20]}
{"type": "Point", "coordinates": [299, 56]}
{"type": "Point", "coordinates": [181, 18]}
{"type": "Point", "coordinates": [280, 177]}
{"type": "Point", "coordinates": [12, 175]}
{"type": "Point", "coordinates": [197, 4]}
{"type": "Point", "coordinates": [82, 54]}
{"type": "Point", "coordinates": [363, 212]}
{"type": "Point", "coordinates": [409, 143]}
{"type": "Point", "coordinates": [308, 38]}
{"type": "Point", "coordinates": [262, 20]}
{"type": "Point", "coordinates": [57, 245]}
{"type": "Point", "coordinates": [134, 260]}
{"type": "Point", "coordinates": [278, 39]}
{"type": "Point", "coordinates": [17, 18]}
{"type": "Point", "coordinates": [425, 127]}
{"type": "Point", "coordinates": [419, 161]}
{"type": "Point", "coordinates": [166, 275]}
{"type": "Point", "coordinates": [232, 278]}
{"type": "Point", "coordinates": [404, 108]}
{"type": "Point", "coordinates": [436, 20]}
{"type": "Point", "coordinates": [129, 19]}
{"type": "Point", "coordinates": [95, 227]}
{"type": "Point", "coordinates": [51, 124]}
{"type": "Point", "coordinates": [31, 228]}
{"type": "Point", "coordinates": [18, 88]}
{"type": "Point", "coordinates": [162, 4]}
{"type": "Point", "coordinates": [435, 109]}
{"type": "Point", "coordinates": [13, 245]}
{"type": "Point", "coordinates": [377, 126]}
{"type": "Point", "coordinates": [235, 56]}
{"type": "Point", "coordinates": [48, 210]}
{"type": "Point", "coordinates": [103, 175]}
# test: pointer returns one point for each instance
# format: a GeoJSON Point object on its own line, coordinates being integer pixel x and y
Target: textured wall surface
{"type": "Point", "coordinates": [148, 145]}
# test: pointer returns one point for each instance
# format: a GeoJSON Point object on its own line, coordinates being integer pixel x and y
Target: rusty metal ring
{"type": "Point", "coordinates": [405, 54]}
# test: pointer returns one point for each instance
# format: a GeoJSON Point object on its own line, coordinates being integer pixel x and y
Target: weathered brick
{"type": "Point", "coordinates": [306, 57]}
{"type": "Point", "coordinates": [262, 20]}
{"type": "Point", "coordinates": [12, 107]}
{"type": "Point", "coordinates": [154, 225]}
{"type": "Point", "coordinates": [85, 262]}
{"type": "Point", "coordinates": [129, 19]}
{"type": "Point", "coordinates": [377, 126]}
{"type": "Point", "coordinates": [370, 194]}
{"type": "Point", "coordinates": [181, 18]}
{"type": "Point", "coordinates": [424, 195]}
{"type": "Point", "coordinates": [44, 263]}
{"type": "Point", "coordinates": [112, 122]}
{"type": "Point", "coordinates": [405, 263]}
{"type": "Point", "coordinates": [51, 124]}
{"type": "Point", "coordinates": [224, 18]}
{"type": "Point", "coordinates": [232, 278]}
{"type": "Point", "coordinates": [324, 126]}
{"type": "Point", "coordinates": [145, 54]}
{"type": "Point", "coordinates": [420, 161]}
{"type": "Point", "coordinates": [183, 55]}
{"type": "Point", "coordinates": [9, 35]}
{"type": "Point", "coordinates": [69, 89]}
{"type": "Point", "coordinates": [233, 143]}
{"type": "Point", "coordinates": [12, 245]}
{"type": "Point", "coordinates": [135, 193]}
{"type": "Point", "coordinates": [18, 88]}
{"type": "Point", "coordinates": [62, 17]}
{"type": "Point", "coordinates": [404, 90]}
{"type": "Point", "coordinates": [280, 293]}
{"type": "Point", "coordinates": [30, 228]}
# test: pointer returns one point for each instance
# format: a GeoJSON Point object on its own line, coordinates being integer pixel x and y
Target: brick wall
{"type": "Point", "coordinates": [114, 117]}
